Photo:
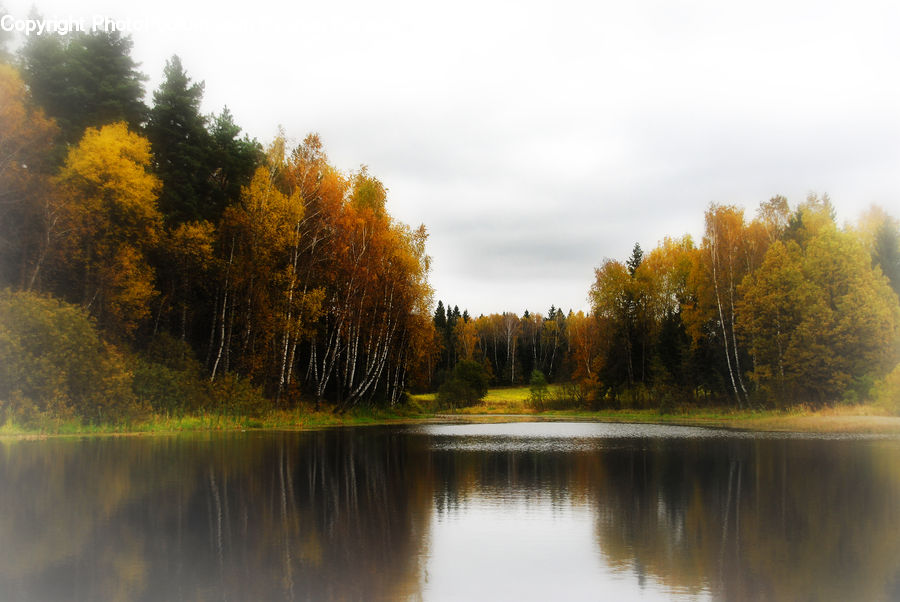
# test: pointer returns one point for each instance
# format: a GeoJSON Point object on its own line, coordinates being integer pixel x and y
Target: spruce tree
{"type": "Point", "coordinates": [85, 80]}
{"type": "Point", "coordinates": [182, 147]}
{"type": "Point", "coordinates": [233, 159]}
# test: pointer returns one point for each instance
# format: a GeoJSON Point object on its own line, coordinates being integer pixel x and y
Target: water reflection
{"type": "Point", "coordinates": [451, 512]}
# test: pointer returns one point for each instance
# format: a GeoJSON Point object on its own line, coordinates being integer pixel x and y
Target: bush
{"type": "Point", "coordinates": [466, 387]}
{"type": "Point", "coordinates": [53, 364]}
{"type": "Point", "coordinates": [168, 377]}
{"type": "Point", "coordinates": [538, 390]}
{"type": "Point", "coordinates": [235, 395]}
{"type": "Point", "coordinates": [887, 391]}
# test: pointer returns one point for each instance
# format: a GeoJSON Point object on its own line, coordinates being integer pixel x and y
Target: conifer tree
{"type": "Point", "coordinates": [181, 146]}
{"type": "Point", "coordinates": [85, 80]}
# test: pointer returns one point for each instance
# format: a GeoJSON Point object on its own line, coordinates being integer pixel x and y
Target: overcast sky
{"type": "Point", "coordinates": [534, 139]}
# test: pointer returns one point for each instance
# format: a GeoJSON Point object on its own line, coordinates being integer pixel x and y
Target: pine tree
{"type": "Point", "coordinates": [440, 318]}
{"type": "Point", "coordinates": [85, 80]}
{"type": "Point", "coordinates": [637, 256]}
{"type": "Point", "coordinates": [886, 253]}
{"type": "Point", "coordinates": [233, 159]}
{"type": "Point", "coordinates": [182, 147]}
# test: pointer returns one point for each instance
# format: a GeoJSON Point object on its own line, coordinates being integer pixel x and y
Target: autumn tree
{"type": "Point", "coordinates": [818, 317]}
{"type": "Point", "coordinates": [773, 303]}
{"type": "Point", "coordinates": [109, 205]}
{"type": "Point", "coordinates": [668, 268]}
{"type": "Point", "coordinates": [612, 301]}
{"type": "Point", "coordinates": [553, 342]}
{"type": "Point", "coordinates": [260, 297]}
{"type": "Point", "coordinates": [849, 333]}
{"type": "Point", "coordinates": [725, 265]}
{"type": "Point", "coordinates": [586, 354]}
{"type": "Point", "coordinates": [466, 338]}
{"type": "Point", "coordinates": [29, 221]}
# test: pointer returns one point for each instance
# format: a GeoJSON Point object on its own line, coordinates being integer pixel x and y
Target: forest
{"type": "Point", "coordinates": [154, 259]}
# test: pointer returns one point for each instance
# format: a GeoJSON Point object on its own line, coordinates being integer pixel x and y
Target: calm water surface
{"type": "Point", "coordinates": [527, 511]}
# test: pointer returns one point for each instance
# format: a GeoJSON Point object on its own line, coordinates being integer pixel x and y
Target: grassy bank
{"type": "Point", "coordinates": [513, 404]}
{"type": "Point", "coordinates": [499, 405]}
{"type": "Point", "coordinates": [301, 418]}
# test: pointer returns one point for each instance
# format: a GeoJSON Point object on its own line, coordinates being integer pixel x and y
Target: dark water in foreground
{"type": "Point", "coordinates": [491, 512]}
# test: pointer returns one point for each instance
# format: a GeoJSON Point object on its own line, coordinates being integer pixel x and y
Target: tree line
{"type": "Point", "coordinates": [201, 268]}
{"type": "Point", "coordinates": [197, 254]}
{"type": "Point", "coordinates": [780, 309]}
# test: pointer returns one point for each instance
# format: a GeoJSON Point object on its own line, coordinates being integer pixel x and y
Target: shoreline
{"type": "Point", "coordinates": [830, 421]}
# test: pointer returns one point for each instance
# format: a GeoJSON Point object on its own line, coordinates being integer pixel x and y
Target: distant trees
{"type": "Point", "coordinates": [507, 346]}
{"type": "Point", "coordinates": [783, 310]}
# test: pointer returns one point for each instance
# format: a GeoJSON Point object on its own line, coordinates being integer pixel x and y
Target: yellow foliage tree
{"type": "Point", "coordinates": [108, 197]}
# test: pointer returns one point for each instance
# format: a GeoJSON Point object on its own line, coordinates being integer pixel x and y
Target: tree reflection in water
{"type": "Point", "coordinates": [349, 513]}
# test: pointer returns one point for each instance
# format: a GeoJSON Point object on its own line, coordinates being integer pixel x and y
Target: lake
{"type": "Point", "coordinates": [521, 511]}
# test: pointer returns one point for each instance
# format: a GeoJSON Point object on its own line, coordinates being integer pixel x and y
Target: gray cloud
{"type": "Point", "coordinates": [535, 140]}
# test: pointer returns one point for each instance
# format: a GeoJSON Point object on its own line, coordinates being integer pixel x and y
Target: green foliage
{"type": "Point", "coordinates": [820, 322]}
{"type": "Point", "coordinates": [170, 379]}
{"type": "Point", "coordinates": [538, 389]}
{"type": "Point", "coordinates": [234, 159]}
{"type": "Point", "coordinates": [886, 252]}
{"type": "Point", "coordinates": [466, 387]}
{"type": "Point", "coordinates": [886, 392]}
{"type": "Point", "coordinates": [182, 146]}
{"type": "Point", "coordinates": [235, 395]}
{"type": "Point", "coordinates": [54, 365]}
{"type": "Point", "coordinates": [85, 80]}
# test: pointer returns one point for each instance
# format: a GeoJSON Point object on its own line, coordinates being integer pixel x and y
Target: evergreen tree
{"type": "Point", "coordinates": [182, 147]}
{"type": "Point", "coordinates": [637, 256]}
{"type": "Point", "coordinates": [234, 160]}
{"type": "Point", "coordinates": [440, 318]}
{"type": "Point", "coordinates": [85, 80]}
{"type": "Point", "coordinates": [886, 253]}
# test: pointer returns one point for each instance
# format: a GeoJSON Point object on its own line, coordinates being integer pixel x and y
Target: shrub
{"type": "Point", "coordinates": [538, 389]}
{"type": "Point", "coordinates": [236, 396]}
{"type": "Point", "coordinates": [887, 391]}
{"type": "Point", "coordinates": [466, 387]}
{"type": "Point", "coordinates": [54, 364]}
{"type": "Point", "coordinates": [169, 378]}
